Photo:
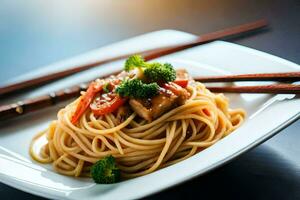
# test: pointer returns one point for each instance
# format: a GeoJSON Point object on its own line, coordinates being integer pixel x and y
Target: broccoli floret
{"type": "Point", "coordinates": [153, 72]}
{"type": "Point", "coordinates": [157, 72]}
{"type": "Point", "coordinates": [106, 87]}
{"type": "Point", "coordinates": [105, 171]}
{"type": "Point", "coordinates": [134, 61]}
{"type": "Point", "coordinates": [137, 89]}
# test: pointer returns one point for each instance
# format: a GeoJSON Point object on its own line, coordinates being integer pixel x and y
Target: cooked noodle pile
{"type": "Point", "coordinates": [139, 147]}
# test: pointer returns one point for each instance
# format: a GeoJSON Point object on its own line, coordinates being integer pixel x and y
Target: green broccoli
{"type": "Point", "coordinates": [106, 87]}
{"type": "Point", "coordinates": [133, 62]}
{"type": "Point", "coordinates": [105, 171]}
{"type": "Point", "coordinates": [157, 72]}
{"type": "Point", "coordinates": [153, 72]}
{"type": "Point", "coordinates": [135, 88]}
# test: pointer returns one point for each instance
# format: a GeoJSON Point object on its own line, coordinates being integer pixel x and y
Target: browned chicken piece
{"type": "Point", "coordinates": [150, 109]}
{"type": "Point", "coordinates": [138, 107]}
{"type": "Point", "coordinates": [162, 103]}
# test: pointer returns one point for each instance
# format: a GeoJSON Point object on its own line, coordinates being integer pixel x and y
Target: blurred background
{"type": "Point", "coordinates": [35, 33]}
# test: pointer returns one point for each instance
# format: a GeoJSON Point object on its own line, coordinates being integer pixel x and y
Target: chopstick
{"type": "Point", "coordinates": [271, 89]}
{"type": "Point", "coordinates": [286, 76]}
{"type": "Point", "coordinates": [148, 55]}
{"type": "Point", "coordinates": [30, 105]}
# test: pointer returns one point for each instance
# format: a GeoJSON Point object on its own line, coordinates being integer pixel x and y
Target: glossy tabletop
{"type": "Point", "coordinates": [36, 33]}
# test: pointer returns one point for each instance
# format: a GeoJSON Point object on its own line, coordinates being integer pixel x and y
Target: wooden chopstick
{"type": "Point", "coordinates": [30, 105]}
{"type": "Point", "coordinates": [148, 55]}
{"type": "Point", "coordinates": [271, 89]}
{"type": "Point", "coordinates": [282, 77]}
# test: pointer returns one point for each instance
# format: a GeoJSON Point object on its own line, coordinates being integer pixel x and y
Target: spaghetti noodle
{"type": "Point", "coordinates": [139, 146]}
{"type": "Point", "coordinates": [144, 147]}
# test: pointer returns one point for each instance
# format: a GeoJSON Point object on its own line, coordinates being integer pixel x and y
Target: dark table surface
{"type": "Point", "coordinates": [36, 33]}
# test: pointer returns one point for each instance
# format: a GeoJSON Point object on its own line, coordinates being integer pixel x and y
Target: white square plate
{"type": "Point", "coordinates": [19, 171]}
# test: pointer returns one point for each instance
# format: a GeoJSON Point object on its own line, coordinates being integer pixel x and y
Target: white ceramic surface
{"type": "Point", "coordinates": [19, 171]}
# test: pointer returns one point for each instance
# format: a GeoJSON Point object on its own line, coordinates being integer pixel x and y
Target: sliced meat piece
{"type": "Point", "coordinates": [171, 95]}
{"type": "Point", "coordinates": [138, 107]}
{"type": "Point", "coordinates": [150, 109]}
{"type": "Point", "coordinates": [162, 103]}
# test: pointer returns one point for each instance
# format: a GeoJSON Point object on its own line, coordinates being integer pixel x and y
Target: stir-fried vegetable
{"type": "Point", "coordinates": [142, 80]}
{"type": "Point", "coordinates": [182, 82]}
{"type": "Point", "coordinates": [133, 62]}
{"type": "Point", "coordinates": [153, 72]}
{"type": "Point", "coordinates": [137, 89]}
{"type": "Point", "coordinates": [159, 73]}
{"type": "Point", "coordinates": [106, 87]}
{"type": "Point", "coordinates": [105, 171]}
{"type": "Point", "coordinates": [85, 101]}
{"type": "Point", "coordinates": [109, 105]}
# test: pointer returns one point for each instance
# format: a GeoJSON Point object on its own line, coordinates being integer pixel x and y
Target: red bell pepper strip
{"type": "Point", "coordinates": [176, 86]}
{"type": "Point", "coordinates": [85, 101]}
{"type": "Point", "coordinates": [181, 82]}
{"type": "Point", "coordinates": [107, 107]}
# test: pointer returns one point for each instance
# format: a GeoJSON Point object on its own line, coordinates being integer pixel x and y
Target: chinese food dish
{"type": "Point", "coordinates": [146, 118]}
